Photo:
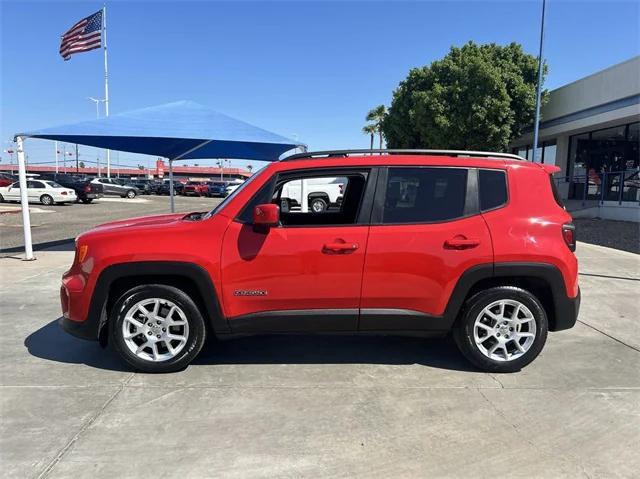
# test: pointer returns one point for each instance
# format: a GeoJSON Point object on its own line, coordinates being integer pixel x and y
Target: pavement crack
{"type": "Point", "coordinates": [496, 380]}
{"type": "Point", "coordinates": [47, 470]}
{"type": "Point", "coordinates": [609, 336]}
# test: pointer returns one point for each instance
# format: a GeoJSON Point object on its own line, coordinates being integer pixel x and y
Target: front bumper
{"type": "Point", "coordinates": [566, 314]}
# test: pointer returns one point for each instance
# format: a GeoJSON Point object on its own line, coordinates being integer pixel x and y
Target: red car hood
{"type": "Point", "coordinates": [141, 221]}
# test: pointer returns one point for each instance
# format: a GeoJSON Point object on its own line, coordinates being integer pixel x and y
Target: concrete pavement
{"type": "Point", "coordinates": [321, 406]}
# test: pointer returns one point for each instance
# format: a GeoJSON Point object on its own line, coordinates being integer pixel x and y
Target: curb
{"type": "Point", "coordinates": [39, 246]}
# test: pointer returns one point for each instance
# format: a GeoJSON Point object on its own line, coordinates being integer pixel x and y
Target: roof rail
{"type": "Point", "coordinates": [344, 153]}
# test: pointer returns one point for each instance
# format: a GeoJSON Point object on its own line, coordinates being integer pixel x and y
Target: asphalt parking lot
{"type": "Point", "coordinates": [321, 406]}
{"type": "Point", "coordinates": [60, 222]}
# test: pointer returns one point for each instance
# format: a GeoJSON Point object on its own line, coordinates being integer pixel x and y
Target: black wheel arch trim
{"type": "Point", "coordinates": [97, 316]}
{"type": "Point", "coordinates": [565, 309]}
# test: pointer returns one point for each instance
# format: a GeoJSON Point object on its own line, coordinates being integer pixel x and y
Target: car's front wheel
{"type": "Point", "coordinates": [157, 328]}
{"type": "Point", "coordinates": [501, 329]}
{"type": "Point", "coordinates": [131, 194]}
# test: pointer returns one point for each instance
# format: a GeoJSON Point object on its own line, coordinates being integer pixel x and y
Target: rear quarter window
{"type": "Point", "coordinates": [556, 194]}
{"type": "Point", "coordinates": [493, 189]}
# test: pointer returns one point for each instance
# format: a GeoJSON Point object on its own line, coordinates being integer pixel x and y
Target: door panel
{"type": "Point", "coordinates": [415, 267]}
{"type": "Point", "coordinates": [13, 193]}
{"type": "Point", "coordinates": [294, 268]}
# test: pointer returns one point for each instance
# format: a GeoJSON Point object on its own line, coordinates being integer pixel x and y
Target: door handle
{"type": "Point", "coordinates": [338, 247]}
{"type": "Point", "coordinates": [460, 242]}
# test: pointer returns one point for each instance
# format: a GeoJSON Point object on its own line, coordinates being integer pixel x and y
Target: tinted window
{"type": "Point", "coordinates": [493, 189]}
{"type": "Point", "coordinates": [35, 184]}
{"type": "Point", "coordinates": [422, 195]}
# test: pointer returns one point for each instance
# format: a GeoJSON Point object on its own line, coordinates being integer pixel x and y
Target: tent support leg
{"type": "Point", "coordinates": [24, 202]}
{"type": "Point", "coordinates": [171, 191]}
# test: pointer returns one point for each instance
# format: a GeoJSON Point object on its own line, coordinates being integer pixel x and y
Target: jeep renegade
{"type": "Point", "coordinates": [418, 242]}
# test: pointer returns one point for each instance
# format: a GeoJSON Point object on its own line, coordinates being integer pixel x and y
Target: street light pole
{"type": "Point", "coordinates": [97, 101]}
{"type": "Point", "coordinates": [536, 125]}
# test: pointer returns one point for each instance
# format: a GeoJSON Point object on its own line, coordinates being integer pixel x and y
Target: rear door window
{"type": "Point", "coordinates": [424, 195]}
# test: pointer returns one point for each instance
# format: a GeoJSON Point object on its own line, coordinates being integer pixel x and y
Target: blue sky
{"type": "Point", "coordinates": [311, 69]}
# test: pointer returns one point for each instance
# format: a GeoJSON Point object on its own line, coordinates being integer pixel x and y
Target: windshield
{"type": "Point", "coordinates": [233, 194]}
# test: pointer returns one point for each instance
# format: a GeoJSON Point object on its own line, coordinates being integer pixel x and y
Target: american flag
{"type": "Point", "coordinates": [84, 36]}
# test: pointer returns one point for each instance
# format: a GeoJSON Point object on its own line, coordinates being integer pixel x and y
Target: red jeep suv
{"type": "Point", "coordinates": [419, 243]}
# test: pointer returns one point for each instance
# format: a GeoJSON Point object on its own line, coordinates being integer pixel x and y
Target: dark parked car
{"type": "Point", "coordinates": [163, 188]}
{"type": "Point", "coordinates": [146, 187]}
{"type": "Point", "coordinates": [217, 189]}
{"type": "Point", "coordinates": [113, 187]}
{"type": "Point", "coordinates": [86, 191]}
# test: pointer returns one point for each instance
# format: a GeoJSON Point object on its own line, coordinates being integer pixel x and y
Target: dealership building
{"type": "Point", "coordinates": [590, 129]}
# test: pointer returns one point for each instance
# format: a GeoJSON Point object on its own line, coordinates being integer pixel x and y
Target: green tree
{"type": "Point", "coordinates": [81, 164]}
{"type": "Point", "coordinates": [249, 167]}
{"type": "Point", "coordinates": [370, 130]}
{"type": "Point", "coordinates": [377, 116]}
{"type": "Point", "coordinates": [477, 97]}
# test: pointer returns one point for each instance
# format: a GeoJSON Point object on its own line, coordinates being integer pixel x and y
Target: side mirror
{"type": "Point", "coordinates": [267, 214]}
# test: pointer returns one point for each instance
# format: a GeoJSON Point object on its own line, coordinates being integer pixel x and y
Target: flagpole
{"type": "Point", "coordinates": [106, 79]}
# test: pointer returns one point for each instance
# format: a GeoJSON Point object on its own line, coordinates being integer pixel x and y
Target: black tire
{"type": "Point", "coordinates": [195, 338]}
{"type": "Point", "coordinates": [86, 201]}
{"type": "Point", "coordinates": [463, 331]}
{"type": "Point", "coordinates": [46, 200]}
{"type": "Point", "coordinates": [318, 205]}
{"type": "Point", "coordinates": [1, 199]}
{"type": "Point", "coordinates": [131, 194]}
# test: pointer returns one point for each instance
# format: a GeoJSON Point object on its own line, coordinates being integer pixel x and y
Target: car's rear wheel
{"type": "Point", "coordinates": [501, 329]}
{"type": "Point", "coordinates": [86, 201]}
{"type": "Point", "coordinates": [131, 194]}
{"type": "Point", "coordinates": [157, 328]}
{"type": "Point", "coordinates": [46, 200]}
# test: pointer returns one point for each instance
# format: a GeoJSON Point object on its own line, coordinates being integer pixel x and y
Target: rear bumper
{"type": "Point", "coordinates": [80, 329]}
{"type": "Point", "coordinates": [567, 310]}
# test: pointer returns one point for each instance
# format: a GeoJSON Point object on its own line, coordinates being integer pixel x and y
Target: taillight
{"type": "Point", "coordinates": [63, 193]}
{"type": "Point", "coordinates": [569, 235]}
{"type": "Point", "coordinates": [87, 189]}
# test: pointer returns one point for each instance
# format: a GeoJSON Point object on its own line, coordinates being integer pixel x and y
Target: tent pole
{"type": "Point", "coordinates": [24, 202]}
{"type": "Point", "coordinates": [171, 199]}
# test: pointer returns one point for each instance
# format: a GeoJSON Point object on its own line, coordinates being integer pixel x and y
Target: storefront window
{"type": "Point", "coordinates": [549, 153]}
{"type": "Point", "coordinates": [595, 158]}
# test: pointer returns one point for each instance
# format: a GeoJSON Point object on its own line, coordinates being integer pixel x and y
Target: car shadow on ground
{"type": "Point", "coordinates": [51, 343]}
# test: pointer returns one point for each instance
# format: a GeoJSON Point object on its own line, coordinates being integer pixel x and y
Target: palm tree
{"type": "Point", "coordinates": [370, 129]}
{"type": "Point", "coordinates": [377, 116]}
{"type": "Point", "coordinates": [249, 167]}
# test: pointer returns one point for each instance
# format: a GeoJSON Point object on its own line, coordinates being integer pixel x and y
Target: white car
{"type": "Point", "coordinates": [39, 191]}
{"type": "Point", "coordinates": [319, 193]}
{"type": "Point", "coordinates": [233, 186]}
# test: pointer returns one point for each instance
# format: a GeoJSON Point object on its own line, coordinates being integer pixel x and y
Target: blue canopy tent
{"type": "Point", "coordinates": [177, 131]}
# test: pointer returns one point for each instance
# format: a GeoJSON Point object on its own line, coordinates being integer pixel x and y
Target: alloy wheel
{"type": "Point", "coordinates": [504, 330]}
{"type": "Point", "coordinates": [155, 329]}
